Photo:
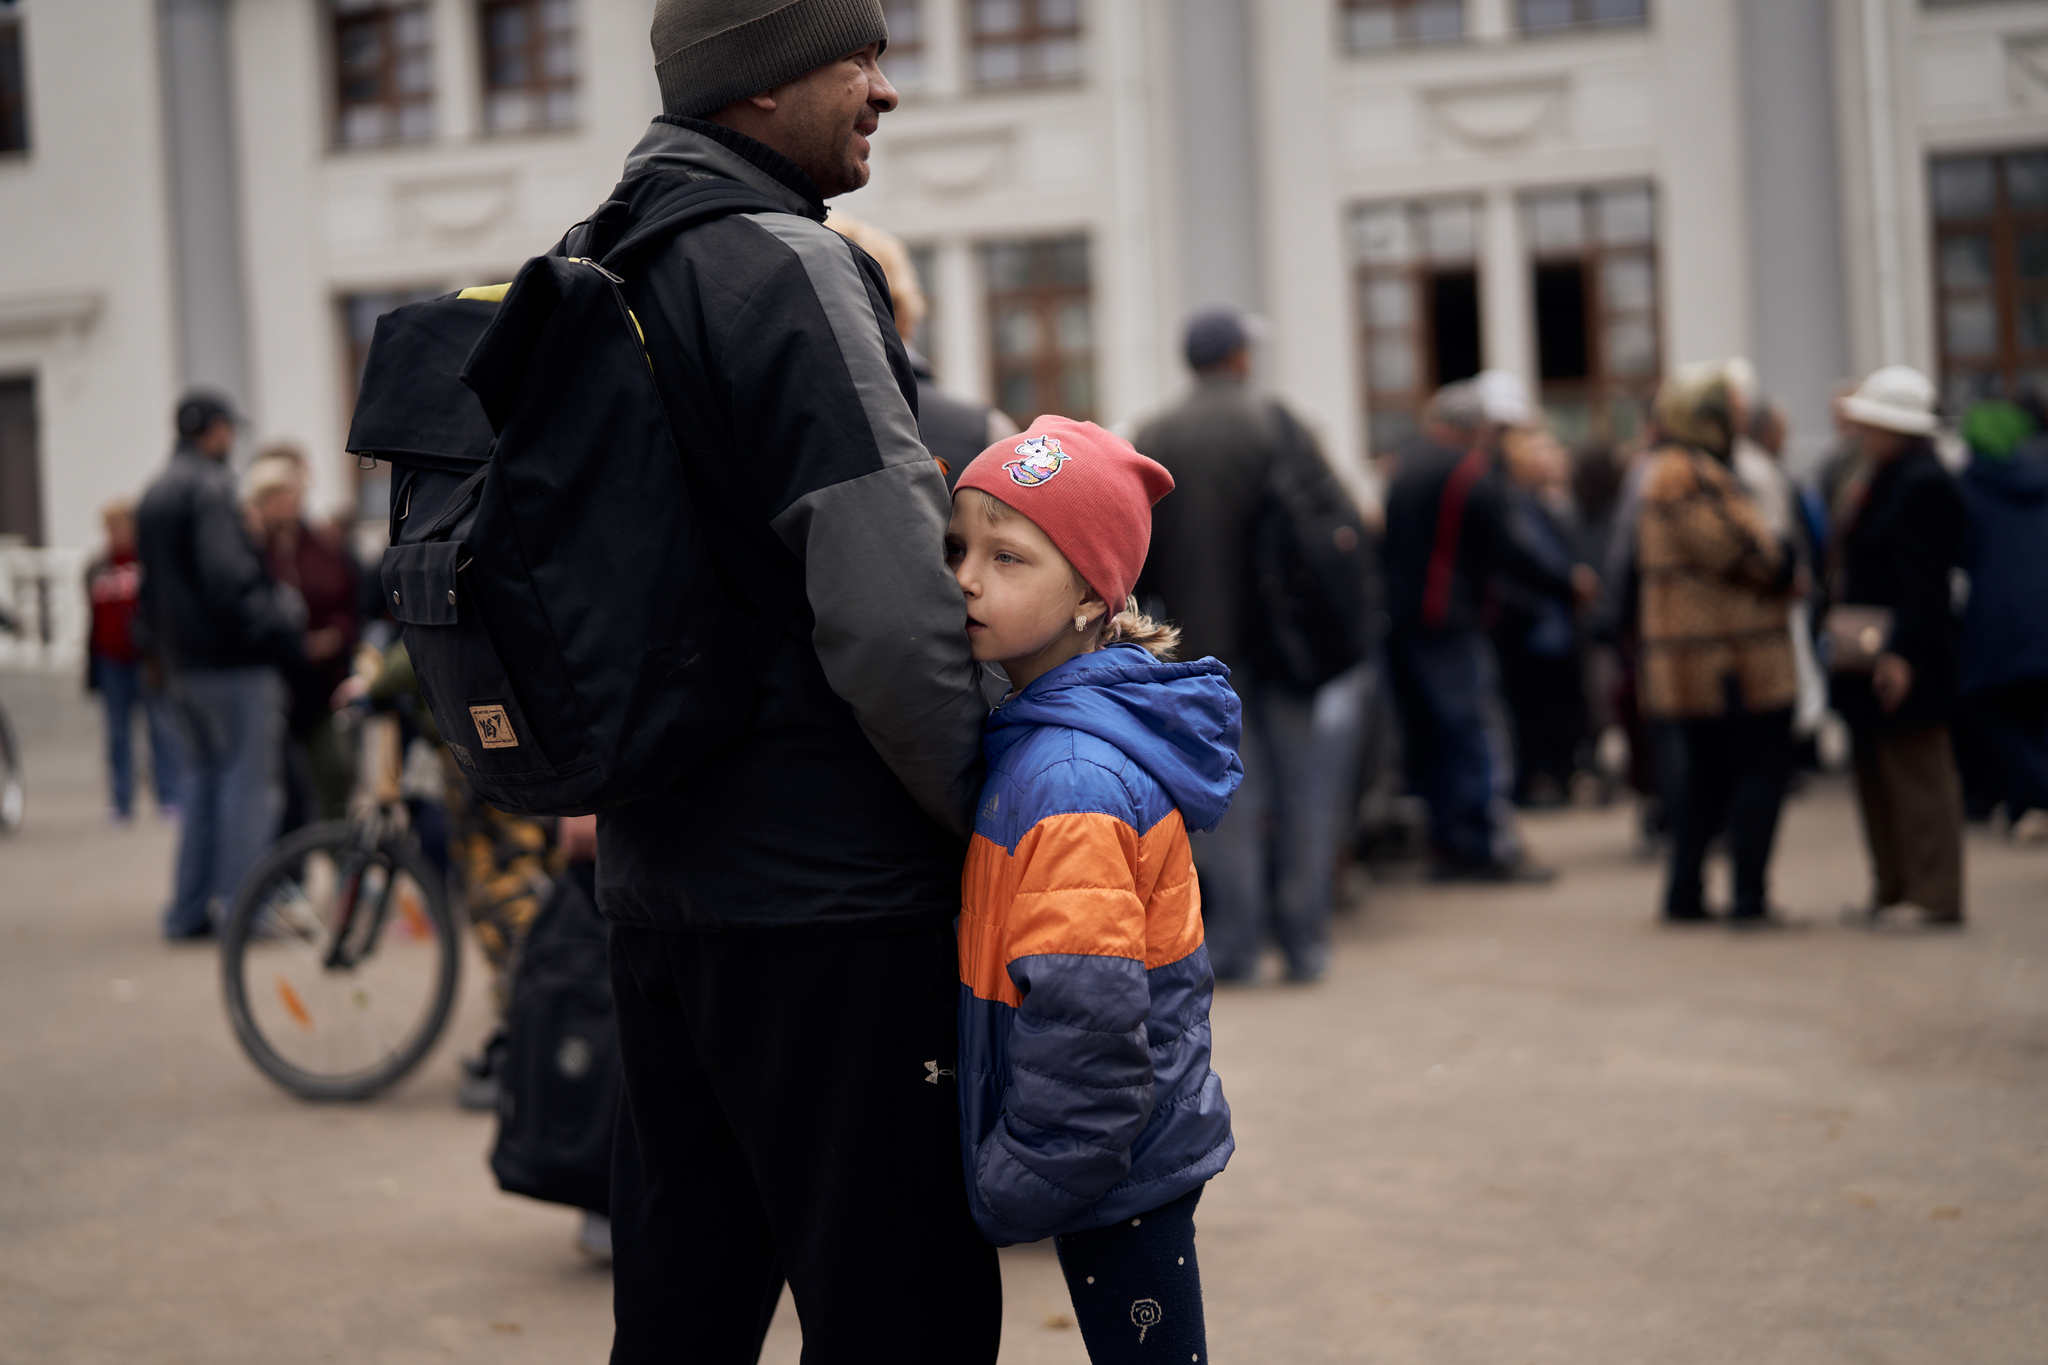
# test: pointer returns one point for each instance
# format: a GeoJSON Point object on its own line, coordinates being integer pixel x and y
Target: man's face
{"type": "Point", "coordinates": [217, 440]}
{"type": "Point", "coordinates": [823, 119]}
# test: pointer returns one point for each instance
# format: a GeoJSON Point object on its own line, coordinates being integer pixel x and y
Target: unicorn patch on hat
{"type": "Point", "coordinates": [1042, 459]}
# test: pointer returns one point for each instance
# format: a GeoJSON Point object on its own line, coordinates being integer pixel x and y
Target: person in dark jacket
{"type": "Point", "coordinates": [1269, 867]}
{"type": "Point", "coordinates": [1536, 635]}
{"type": "Point", "coordinates": [782, 919]}
{"type": "Point", "coordinates": [1902, 537]}
{"type": "Point", "coordinates": [211, 610]}
{"type": "Point", "coordinates": [953, 429]}
{"type": "Point", "coordinates": [124, 678]}
{"type": "Point", "coordinates": [1448, 533]}
{"type": "Point", "coordinates": [2004, 665]}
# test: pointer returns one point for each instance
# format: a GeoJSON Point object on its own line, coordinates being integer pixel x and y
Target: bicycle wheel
{"type": "Point", "coordinates": [13, 795]}
{"type": "Point", "coordinates": [340, 961]}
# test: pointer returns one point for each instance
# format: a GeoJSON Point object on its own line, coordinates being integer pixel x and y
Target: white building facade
{"type": "Point", "coordinates": [1585, 192]}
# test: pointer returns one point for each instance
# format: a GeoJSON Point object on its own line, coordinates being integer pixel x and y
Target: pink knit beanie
{"type": "Point", "coordinates": [1088, 489]}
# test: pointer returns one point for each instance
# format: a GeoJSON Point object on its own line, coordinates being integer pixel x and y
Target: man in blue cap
{"type": "Point", "coordinates": [1269, 866]}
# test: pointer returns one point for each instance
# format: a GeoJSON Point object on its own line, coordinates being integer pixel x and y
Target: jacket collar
{"type": "Point", "coordinates": [675, 143]}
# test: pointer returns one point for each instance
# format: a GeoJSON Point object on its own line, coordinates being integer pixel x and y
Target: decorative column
{"type": "Point", "coordinates": [205, 195]}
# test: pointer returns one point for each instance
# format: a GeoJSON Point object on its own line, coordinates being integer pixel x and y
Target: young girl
{"type": "Point", "coordinates": [1088, 1110]}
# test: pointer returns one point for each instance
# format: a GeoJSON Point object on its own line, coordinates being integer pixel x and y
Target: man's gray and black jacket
{"type": "Point", "coordinates": [208, 600]}
{"type": "Point", "coordinates": [844, 803]}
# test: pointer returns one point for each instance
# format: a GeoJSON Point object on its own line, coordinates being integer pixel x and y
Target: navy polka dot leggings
{"type": "Point", "coordinates": [1136, 1289]}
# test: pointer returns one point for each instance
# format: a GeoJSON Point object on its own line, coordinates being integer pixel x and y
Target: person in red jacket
{"type": "Point", "coordinates": [125, 679]}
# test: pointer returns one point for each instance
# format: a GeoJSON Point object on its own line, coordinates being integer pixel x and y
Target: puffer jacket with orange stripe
{"type": "Point", "coordinates": [1085, 1090]}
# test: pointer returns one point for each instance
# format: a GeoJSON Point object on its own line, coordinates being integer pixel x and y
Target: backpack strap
{"type": "Point", "coordinates": [698, 201]}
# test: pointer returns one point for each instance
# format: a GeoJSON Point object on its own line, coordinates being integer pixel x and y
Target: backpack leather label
{"type": "Point", "coordinates": [493, 727]}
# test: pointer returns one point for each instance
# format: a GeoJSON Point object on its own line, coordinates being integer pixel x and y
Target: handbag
{"type": "Point", "coordinates": [1853, 635]}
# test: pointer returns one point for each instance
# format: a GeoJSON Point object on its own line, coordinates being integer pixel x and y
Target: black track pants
{"type": "Point", "coordinates": [1136, 1289]}
{"type": "Point", "coordinates": [780, 1120]}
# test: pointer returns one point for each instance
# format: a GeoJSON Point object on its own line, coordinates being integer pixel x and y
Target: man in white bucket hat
{"type": "Point", "coordinates": [1894, 643]}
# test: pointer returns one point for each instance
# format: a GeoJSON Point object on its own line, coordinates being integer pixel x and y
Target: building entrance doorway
{"type": "Point", "coordinates": [21, 467]}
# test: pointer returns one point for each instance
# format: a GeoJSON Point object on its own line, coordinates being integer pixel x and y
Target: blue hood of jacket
{"type": "Point", "coordinates": [2020, 477]}
{"type": "Point", "coordinates": [1177, 721]}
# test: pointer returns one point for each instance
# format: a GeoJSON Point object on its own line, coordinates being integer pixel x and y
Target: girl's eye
{"type": "Point", "coordinates": [1005, 557]}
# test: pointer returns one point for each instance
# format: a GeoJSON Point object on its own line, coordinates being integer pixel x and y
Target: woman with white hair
{"type": "Point", "coordinates": [1893, 641]}
{"type": "Point", "coordinates": [313, 565]}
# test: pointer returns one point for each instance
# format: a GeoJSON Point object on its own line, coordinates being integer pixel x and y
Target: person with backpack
{"type": "Point", "coordinates": [1448, 535]}
{"type": "Point", "coordinates": [1262, 560]}
{"type": "Point", "coordinates": [782, 946]}
{"type": "Point", "coordinates": [1088, 1110]}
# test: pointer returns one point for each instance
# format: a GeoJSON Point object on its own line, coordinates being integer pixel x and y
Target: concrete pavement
{"type": "Point", "coordinates": [1515, 1125]}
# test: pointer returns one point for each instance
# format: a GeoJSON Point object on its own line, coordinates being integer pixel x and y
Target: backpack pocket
{"type": "Point", "coordinates": [460, 671]}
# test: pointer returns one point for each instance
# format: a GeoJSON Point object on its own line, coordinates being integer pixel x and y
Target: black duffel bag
{"type": "Point", "coordinates": [558, 1092]}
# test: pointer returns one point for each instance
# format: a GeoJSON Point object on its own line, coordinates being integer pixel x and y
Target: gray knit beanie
{"type": "Point", "coordinates": [708, 53]}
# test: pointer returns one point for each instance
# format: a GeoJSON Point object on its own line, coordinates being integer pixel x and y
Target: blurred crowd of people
{"type": "Point", "coordinates": [1687, 592]}
{"type": "Point", "coordinates": [1678, 613]}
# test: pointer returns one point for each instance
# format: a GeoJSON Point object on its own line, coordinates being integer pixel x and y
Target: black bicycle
{"type": "Point", "coordinates": [341, 957]}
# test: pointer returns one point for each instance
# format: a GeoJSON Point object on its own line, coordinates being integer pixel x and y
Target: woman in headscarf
{"type": "Point", "coordinates": [1895, 637]}
{"type": "Point", "coordinates": [1716, 658]}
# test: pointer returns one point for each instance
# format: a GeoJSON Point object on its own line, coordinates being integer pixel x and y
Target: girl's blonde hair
{"type": "Point", "coordinates": [1130, 626]}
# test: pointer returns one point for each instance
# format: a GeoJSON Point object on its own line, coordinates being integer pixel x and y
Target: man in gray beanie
{"type": "Point", "coordinates": [782, 950]}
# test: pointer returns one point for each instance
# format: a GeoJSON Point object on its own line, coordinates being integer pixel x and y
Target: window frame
{"type": "Point", "coordinates": [1599, 391]}
{"type": "Point", "coordinates": [539, 86]}
{"type": "Point", "coordinates": [15, 105]}
{"type": "Point", "coordinates": [1044, 297]}
{"type": "Point", "coordinates": [1402, 408]}
{"type": "Point", "coordinates": [1581, 23]}
{"type": "Point", "coordinates": [919, 78]}
{"type": "Point", "coordinates": [1406, 39]}
{"type": "Point", "coordinates": [385, 13]}
{"type": "Point", "coordinates": [1031, 36]}
{"type": "Point", "coordinates": [2007, 292]}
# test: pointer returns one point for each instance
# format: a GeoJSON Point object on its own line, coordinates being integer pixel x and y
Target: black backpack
{"type": "Point", "coordinates": [557, 596]}
{"type": "Point", "coordinates": [558, 1091]}
{"type": "Point", "coordinates": [1313, 580]}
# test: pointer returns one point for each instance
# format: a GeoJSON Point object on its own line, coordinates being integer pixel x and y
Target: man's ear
{"type": "Point", "coordinates": [765, 101]}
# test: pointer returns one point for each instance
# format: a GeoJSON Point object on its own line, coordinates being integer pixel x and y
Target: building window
{"type": "Point", "coordinates": [1023, 42]}
{"type": "Point", "coordinates": [1371, 24]}
{"type": "Point", "coordinates": [21, 465]}
{"type": "Point", "coordinates": [13, 82]}
{"type": "Point", "coordinates": [1991, 274]}
{"type": "Point", "coordinates": [529, 64]}
{"type": "Point", "coordinates": [904, 59]}
{"type": "Point", "coordinates": [384, 72]}
{"type": "Point", "coordinates": [1593, 267]}
{"type": "Point", "coordinates": [1041, 327]}
{"type": "Point", "coordinates": [1554, 16]}
{"type": "Point", "coordinates": [1417, 280]}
